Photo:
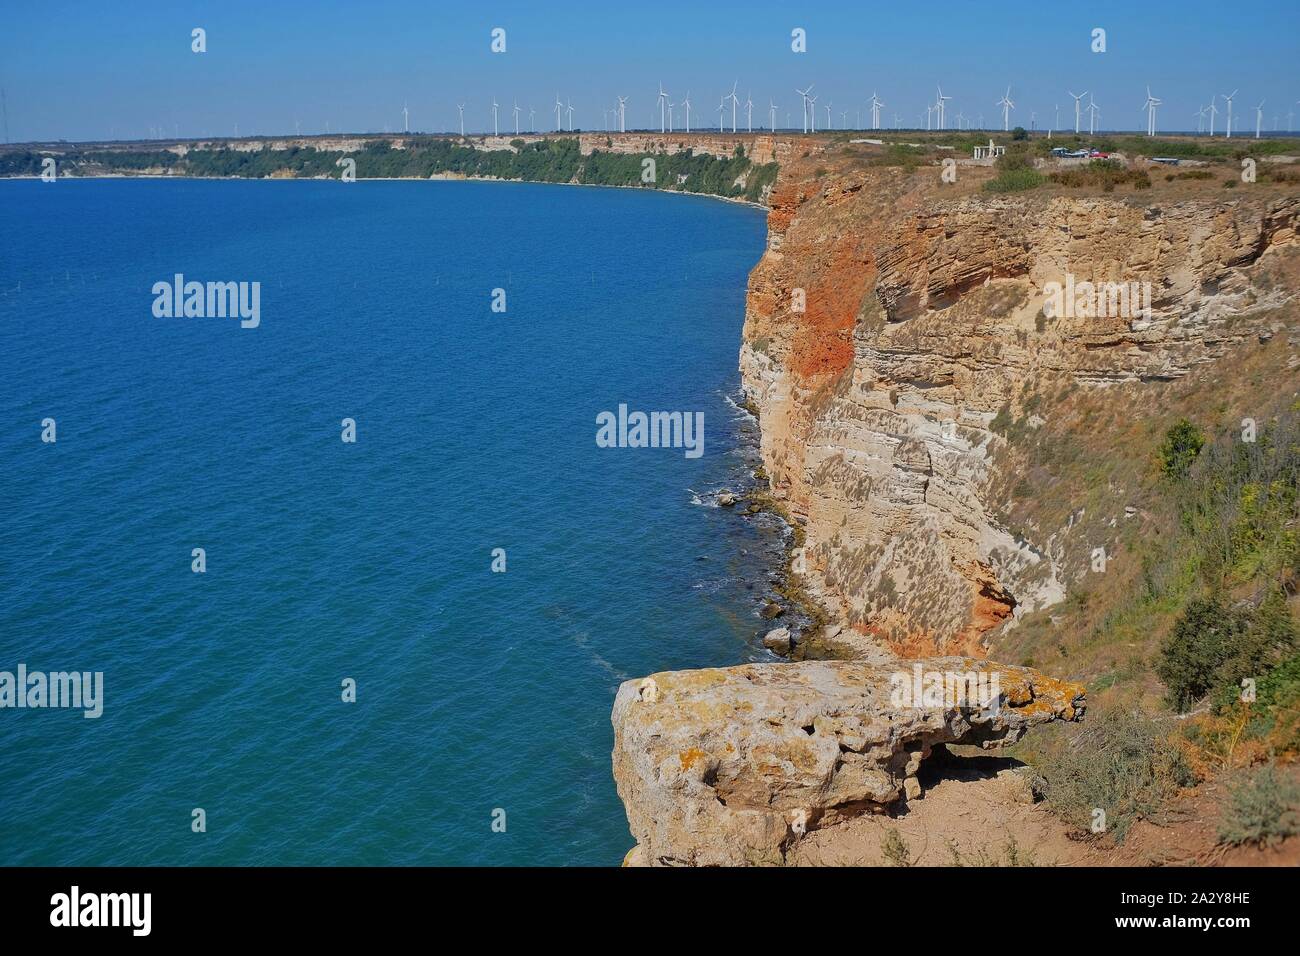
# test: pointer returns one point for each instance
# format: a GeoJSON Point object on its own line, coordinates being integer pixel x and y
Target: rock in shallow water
{"type": "Point", "coordinates": [778, 640]}
{"type": "Point", "coordinates": [726, 765]}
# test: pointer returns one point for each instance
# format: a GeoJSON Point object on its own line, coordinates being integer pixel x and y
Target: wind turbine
{"type": "Point", "coordinates": [1056, 117]}
{"type": "Point", "coordinates": [663, 112]}
{"type": "Point", "coordinates": [876, 104]}
{"type": "Point", "coordinates": [516, 117]}
{"type": "Point", "coordinates": [406, 120]}
{"type": "Point", "coordinates": [812, 115]}
{"type": "Point", "coordinates": [1007, 107]}
{"type": "Point", "coordinates": [1229, 97]}
{"type": "Point", "coordinates": [735, 101]}
{"type": "Point", "coordinates": [532, 124]}
{"type": "Point", "coordinates": [722, 106]}
{"type": "Point", "coordinates": [494, 117]}
{"type": "Point", "coordinates": [772, 110]}
{"type": "Point", "coordinates": [686, 101]}
{"type": "Point", "coordinates": [1214, 111]}
{"type": "Point", "coordinates": [1259, 117]}
{"type": "Point", "coordinates": [558, 106]}
{"type": "Point", "coordinates": [461, 107]}
{"type": "Point", "coordinates": [1078, 98]}
{"type": "Point", "coordinates": [940, 103]}
{"type": "Point", "coordinates": [928, 111]}
{"type": "Point", "coordinates": [1093, 111]}
{"type": "Point", "coordinates": [1150, 106]}
{"type": "Point", "coordinates": [1200, 120]}
{"type": "Point", "coordinates": [829, 124]}
{"type": "Point", "coordinates": [570, 110]}
{"type": "Point", "coordinates": [803, 96]}
{"type": "Point", "coordinates": [749, 112]}
{"type": "Point", "coordinates": [622, 103]}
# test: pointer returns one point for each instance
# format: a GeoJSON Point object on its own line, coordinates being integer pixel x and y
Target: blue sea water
{"type": "Point", "coordinates": [372, 561]}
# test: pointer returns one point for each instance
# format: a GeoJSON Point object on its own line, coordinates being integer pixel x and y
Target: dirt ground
{"type": "Point", "coordinates": [981, 811]}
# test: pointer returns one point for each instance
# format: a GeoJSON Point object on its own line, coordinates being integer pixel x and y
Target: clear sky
{"type": "Point", "coordinates": [94, 70]}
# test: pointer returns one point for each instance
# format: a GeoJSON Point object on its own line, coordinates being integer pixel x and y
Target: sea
{"type": "Point", "coordinates": [359, 580]}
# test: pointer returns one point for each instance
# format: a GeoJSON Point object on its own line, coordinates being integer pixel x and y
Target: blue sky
{"type": "Point", "coordinates": [93, 70]}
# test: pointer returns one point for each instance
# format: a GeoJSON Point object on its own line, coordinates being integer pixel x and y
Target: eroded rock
{"type": "Point", "coordinates": [713, 770]}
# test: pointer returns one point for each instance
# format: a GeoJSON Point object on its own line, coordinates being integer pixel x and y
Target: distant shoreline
{"type": "Point", "coordinates": [411, 179]}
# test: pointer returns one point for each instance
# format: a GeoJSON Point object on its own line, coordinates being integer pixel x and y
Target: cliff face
{"type": "Point", "coordinates": [922, 318]}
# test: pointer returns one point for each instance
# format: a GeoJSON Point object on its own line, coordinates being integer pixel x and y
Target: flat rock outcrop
{"type": "Point", "coordinates": [729, 766]}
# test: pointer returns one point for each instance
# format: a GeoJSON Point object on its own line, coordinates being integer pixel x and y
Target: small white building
{"type": "Point", "coordinates": [990, 151]}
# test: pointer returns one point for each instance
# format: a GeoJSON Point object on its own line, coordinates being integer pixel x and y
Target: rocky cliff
{"type": "Point", "coordinates": [893, 318]}
{"type": "Point", "coordinates": [900, 332]}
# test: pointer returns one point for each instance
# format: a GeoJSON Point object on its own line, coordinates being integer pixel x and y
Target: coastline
{"type": "Point", "coordinates": [413, 179]}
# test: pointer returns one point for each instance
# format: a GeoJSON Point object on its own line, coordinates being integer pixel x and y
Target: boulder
{"type": "Point", "coordinates": [778, 640]}
{"type": "Point", "coordinates": [727, 766]}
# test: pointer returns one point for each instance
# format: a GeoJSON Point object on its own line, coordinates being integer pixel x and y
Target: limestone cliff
{"type": "Point", "coordinates": [889, 323]}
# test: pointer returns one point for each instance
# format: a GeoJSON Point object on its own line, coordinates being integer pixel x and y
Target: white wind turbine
{"type": "Point", "coordinates": [1007, 107]}
{"type": "Point", "coordinates": [749, 112]}
{"type": "Point", "coordinates": [532, 123]}
{"type": "Point", "coordinates": [929, 110]}
{"type": "Point", "coordinates": [558, 106]}
{"type": "Point", "coordinates": [722, 106]}
{"type": "Point", "coordinates": [940, 104]}
{"type": "Point", "coordinates": [771, 106]}
{"type": "Point", "coordinates": [663, 110]}
{"type": "Point", "coordinates": [570, 111]}
{"type": "Point", "coordinates": [671, 104]}
{"type": "Point", "coordinates": [735, 101]}
{"type": "Point", "coordinates": [876, 104]}
{"type": "Point", "coordinates": [1150, 106]}
{"type": "Point", "coordinates": [812, 115]}
{"type": "Point", "coordinates": [495, 131]}
{"type": "Point", "coordinates": [622, 103]}
{"type": "Point", "coordinates": [1214, 111]}
{"type": "Point", "coordinates": [1229, 97]}
{"type": "Point", "coordinates": [516, 117]}
{"type": "Point", "coordinates": [1093, 112]}
{"type": "Point", "coordinates": [1259, 117]}
{"type": "Point", "coordinates": [803, 97]}
{"type": "Point", "coordinates": [1078, 99]}
{"type": "Point", "coordinates": [686, 101]}
{"type": "Point", "coordinates": [406, 119]}
{"type": "Point", "coordinates": [829, 124]}
{"type": "Point", "coordinates": [461, 107]}
{"type": "Point", "coordinates": [1200, 120]}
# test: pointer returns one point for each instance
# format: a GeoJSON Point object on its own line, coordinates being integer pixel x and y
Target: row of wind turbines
{"type": "Point", "coordinates": [935, 117]}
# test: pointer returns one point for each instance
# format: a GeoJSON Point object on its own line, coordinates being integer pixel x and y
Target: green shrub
{"type": "Point", "coordinates": [1263, 808]}
{"type": "Point", "coordinates": [1193, 657]}
{"type": "Point", "coordinates": [1122, 763]}
{"type": "Point", "coordinates": [1183, 442]}
{"type": "Point", "coordinates": [1015, 180]}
